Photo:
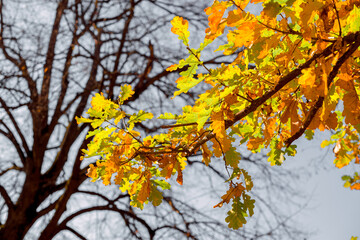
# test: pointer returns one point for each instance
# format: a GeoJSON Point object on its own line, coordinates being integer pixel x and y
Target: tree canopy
{"type": "Point", "coordinates": [54, 55]}
{"type": "Point", "coordinates": [295, 71]}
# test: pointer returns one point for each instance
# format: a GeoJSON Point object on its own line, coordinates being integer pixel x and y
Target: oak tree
{"type": "Point", "coordinates": [295, 71]}
{"type": "Point", "coordinates": [54, 55]}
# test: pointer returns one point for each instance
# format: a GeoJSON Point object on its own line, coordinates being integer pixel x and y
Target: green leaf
{"type": "Point", "coordinates": [232, 157]}
{"type": "Point", "coordinates": [96, 123]}
{"type": "Point", "coordinates": [354, 20]}
{"type": "Point", "coordinates": [291, 150]}
{"type": "Point", "coordinates": [83, 120]}
{"type": "Point", "coordinates": [235, 174]}
{"type": "Point", "coordinates": [347, 184]}
{"type": "Point", "coordinates": [184, 84]}
{"type": "Point", "coordinates": [139, 117]}
{"type": "Point", "coordinates": [94, 113]}
{"type": "Point", "coordinates": [309, 134]}
{"type": "Point", "coordinates": [125, 93]}
{"type": "Point", "coordinates": [156, 196]}
{"type": "Point", "coordinates": [236, 216]}
{"type": "Point", "coordinates": [248, 182]}
{"type": "Point", "coordinates": [97, 144]}
{"type": "Point", "coordinates": [249, 204]}
{"type": "Point", "coordinates": [168, 116]}
{"type": "Point", "coordinates": [267, 33]}
{"type": "Point", "coordinates": [162, 183]}
{"type": "Point", "coordinates": [276, 156]}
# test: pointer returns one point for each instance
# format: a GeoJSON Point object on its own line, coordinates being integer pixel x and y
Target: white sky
{"type": "Point", "coordinates": [333, 211]}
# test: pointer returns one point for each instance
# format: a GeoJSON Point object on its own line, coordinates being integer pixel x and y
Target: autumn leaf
{"type": "Point", "coordinates": [218, 124]}
{"type": "Point", "coordinates": [206, 153]}
{"type": "Point", "coordinates": [233, 192]}
{"type": "Point", "coordinates": [236, 216]}
{"type": "Point", "coordinates": [144, 192]}
{"type": "Point", "coordinates": [354, 20]}
{"type": "Point", "coordinates": [99, 103]}
{"type": "Point", "coordinates": [125, 93]}
{"type": "Point", "coordinates": [92, 172]}
{"type": "Point", "coordinates": [254, 143]}
{"type": "Point", "coordinates": [232, 157]}
{"type": "Point", "coordinates": [216, 12]}
{"type": "Point", "coordinates": [180, 28]}
{"type": "Point", "coordinates": [155, 196]}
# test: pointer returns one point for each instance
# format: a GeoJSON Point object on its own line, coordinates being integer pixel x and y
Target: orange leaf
{"type": "Point", "coordinates": [216, 12]}
{"type": "Point", "coordinates": [206, 154]}
{"type": "Point", "coordinates": [92, 172]}
{"type": "Point", "coordinates": [218, 124]}
{"type": "Point", "coordinates": [179, 178]}
{"type": "Point", "coordinates": [270, 126]}
{"type": "Point", "coordinates": [231, 193]}
{"type": "Point", "coordinates": [355, 186]}
{"type": "Point", "coordinates": [254, 143]}
{"type": "Point", "coordinates": [144, 192]}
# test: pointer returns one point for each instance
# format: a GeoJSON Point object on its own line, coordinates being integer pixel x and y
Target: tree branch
{"type": "Point", "coordinates": [353, 37]}
{"type": "Point", "coordinates": [15, 124]}
{"type": "Point", "coordinates": [75, 232]}
{"type": "Point", "coordinates": [320, 100]}
{"type": "Point", "coordinates": [9, 135]}
{"type": "Point", "coordinates": [113, 208]}
{"type": "Point", "coordinates": [6, 197]}
{"type": "Point", "coordinates": [14, 167]}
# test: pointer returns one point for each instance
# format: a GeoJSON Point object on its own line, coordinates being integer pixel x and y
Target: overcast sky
{"type": "Point", "coordinates": [333, 211]}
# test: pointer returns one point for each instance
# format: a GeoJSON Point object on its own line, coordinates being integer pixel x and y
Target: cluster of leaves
{"type": "Point", "coordinates": [306, 77]}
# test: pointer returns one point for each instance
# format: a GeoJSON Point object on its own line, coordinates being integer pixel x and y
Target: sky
{"type": "Point", "coordinates": [333, 211]}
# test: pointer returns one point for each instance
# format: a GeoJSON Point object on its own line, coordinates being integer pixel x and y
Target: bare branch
{"type": "Point", "coordinates": [14, 167]}
{"type": "Point", "coordinates": [113, 208]}
{"type": "Point", "coordinates": [6, 197]}
{"type": "Point", "coordinates": [75, 233]}
{"type": "Point", "coordinates": [15, 124]}
{"type": "Point", "coordinates": [9, 135]}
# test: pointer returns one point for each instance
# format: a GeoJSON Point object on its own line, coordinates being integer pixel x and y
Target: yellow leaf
{"type": "Point", "coordinates": [99, 102]}
{"type": "Point", "coordinates": [180, 28]}
{"type": "Point", "coordinates": [172, 68]}
{"type": "Point", "coordinates": [118, 118]}
{"type": "Point", "coordinates": [241, 3]}
{"type": "Point", "coordinates": [125, 93]}
{"type": "Point", "coordinates": [308, 77]}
